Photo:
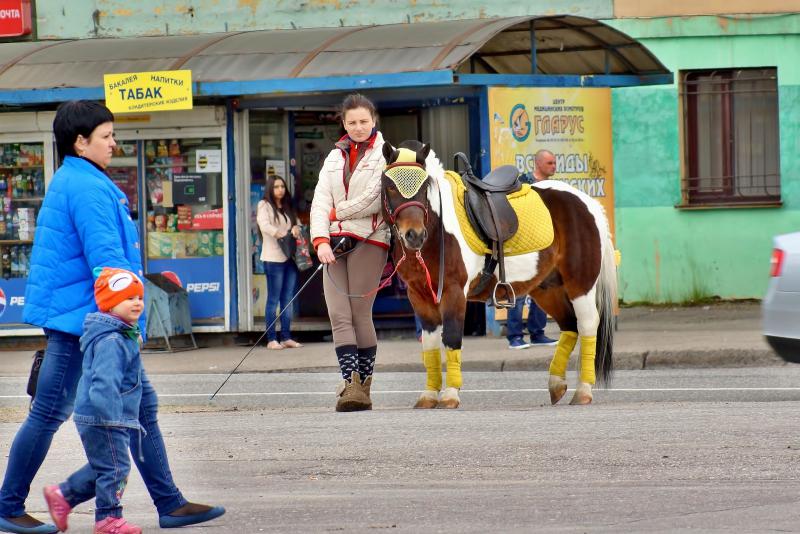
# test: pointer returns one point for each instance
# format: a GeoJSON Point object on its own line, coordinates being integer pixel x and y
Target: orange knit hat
{"type": "Point", "coordinates": [115, 285]}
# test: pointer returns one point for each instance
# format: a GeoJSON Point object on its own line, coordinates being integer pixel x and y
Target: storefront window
{"type": "Point", "coordinates": [123, 171]}
{"type": "Point", "coordinates": [184, 224]}
{"type": "Point", "coordinates": [21, 193]}
{"type": "Point", "coordinates": [267, 157]}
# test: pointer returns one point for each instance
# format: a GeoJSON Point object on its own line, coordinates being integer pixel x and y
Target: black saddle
{"type": "Point", "coordinates": [503, 179]}
{"type": "Point", "coordinates": [491, 215]}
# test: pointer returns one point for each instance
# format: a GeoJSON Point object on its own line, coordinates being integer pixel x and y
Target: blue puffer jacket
{"type": "Point", "coordinates": [110, 388]}
{"type": "Point", "coordinates": [84, 223]}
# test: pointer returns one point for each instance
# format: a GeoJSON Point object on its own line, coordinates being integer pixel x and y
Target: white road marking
{"type": "Point", "coordinates": [416, 391]}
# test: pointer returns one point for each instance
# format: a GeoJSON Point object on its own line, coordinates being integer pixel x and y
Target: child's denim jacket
{"type": "Point", "coordinates": [110, 388]}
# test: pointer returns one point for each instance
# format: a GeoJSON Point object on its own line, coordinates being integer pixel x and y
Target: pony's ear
{"type": "Point", "coordinates": [389, 153]}
{"type": "Point", "coordinates": [423, 153]}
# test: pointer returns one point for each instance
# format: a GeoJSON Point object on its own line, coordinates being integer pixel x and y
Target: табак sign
{"type": "Point", "coordinates": [148, 91]}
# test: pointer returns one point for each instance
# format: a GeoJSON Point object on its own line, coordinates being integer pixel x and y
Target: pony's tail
{"type": "Point", "coordinates": [606, 298]}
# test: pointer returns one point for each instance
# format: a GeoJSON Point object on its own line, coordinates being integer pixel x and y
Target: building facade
{"type": "Point", "coordinates": [707, 169]}
{"type": "Point", "coordinates": [283, 121]}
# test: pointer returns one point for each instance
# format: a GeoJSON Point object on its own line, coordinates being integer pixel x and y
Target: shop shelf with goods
{"type": "Point", "coordinates": [184, 199]}
{"type": "Point", "coordinates": [184, 220]}
{"type": "Point", "coordinates": [123, 171]}
{"type": "Point", "coordinates": [22, 184]}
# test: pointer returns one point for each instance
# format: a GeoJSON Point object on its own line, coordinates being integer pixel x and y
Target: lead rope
{"type": "Point", "coordinates": [288, 306]}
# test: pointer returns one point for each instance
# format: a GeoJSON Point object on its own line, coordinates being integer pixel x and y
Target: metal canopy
{"type": "Point", "coordinates": [319, 59]}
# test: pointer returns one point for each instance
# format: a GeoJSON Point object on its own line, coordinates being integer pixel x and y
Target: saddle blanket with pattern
{"type": "Point", "coordinates": [535, 230]}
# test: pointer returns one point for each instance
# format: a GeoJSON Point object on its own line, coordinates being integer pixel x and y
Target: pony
{"type": "Point", "coordinates": [573, 279]}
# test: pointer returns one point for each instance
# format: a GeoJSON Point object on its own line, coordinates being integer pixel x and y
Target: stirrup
{"type": "Point", "coordinates": [508, 303]}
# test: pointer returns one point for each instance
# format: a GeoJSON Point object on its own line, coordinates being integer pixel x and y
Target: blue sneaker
{"type": "Point", "coordinates": [6, 525]}
{"type": "Point", "coordinates": [191, 514]}
{"type": "Point", "coordinates": [543, 341]}
{"type": "Point", "coordinates": [518, 343]}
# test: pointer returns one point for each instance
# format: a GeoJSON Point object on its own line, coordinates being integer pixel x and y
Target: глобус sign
{"type": "Point", "coordinates": [15, 18]}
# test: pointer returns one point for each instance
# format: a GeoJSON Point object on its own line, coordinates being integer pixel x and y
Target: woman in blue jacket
{"type": "Point", "coordinates": [84, 223]}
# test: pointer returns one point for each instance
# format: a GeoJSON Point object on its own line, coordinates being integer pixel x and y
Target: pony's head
{"type": "Point", "coordinates": [404, 191]}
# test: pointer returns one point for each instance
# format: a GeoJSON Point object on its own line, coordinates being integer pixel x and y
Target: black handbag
{"type": "Point", "coordinates": [288, 245]}
{"type": "Point", "coordinates": [38, 357]}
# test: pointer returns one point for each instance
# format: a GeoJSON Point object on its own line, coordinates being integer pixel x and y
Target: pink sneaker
{"type": "Point", "coordinates": [115, 525]}
{"type": "Point", "coordinates": [58, 506]}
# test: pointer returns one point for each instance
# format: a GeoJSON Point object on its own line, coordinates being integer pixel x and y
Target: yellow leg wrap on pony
{"type": "Point", "coordinates": [588, 349]}
{"type": "Point", "coordinates": [566, 343]}
{"type": "Point", "coordinates": [453, 357]}
{"type": "Point", "coordinates": [433, 365]}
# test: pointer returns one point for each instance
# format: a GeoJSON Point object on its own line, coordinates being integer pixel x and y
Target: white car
{"type": "Point", "coordinates": [781, 306]}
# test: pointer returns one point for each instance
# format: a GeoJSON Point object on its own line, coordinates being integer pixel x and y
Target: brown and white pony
{"type": "Point", "coordinates": [573, 280]}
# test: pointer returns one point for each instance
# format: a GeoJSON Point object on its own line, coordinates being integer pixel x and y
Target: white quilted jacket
{"type": "Point", "coordinates": [358, 206]}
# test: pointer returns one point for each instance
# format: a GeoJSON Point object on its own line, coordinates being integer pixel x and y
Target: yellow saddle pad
{"type": "Point", "coordinates": [535, 230]}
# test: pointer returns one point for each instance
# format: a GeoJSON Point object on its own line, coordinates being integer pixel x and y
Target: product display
{"type": "Point", "coordinates": [123, 171]}
{"type": "Point", "coordinates": [184, 210]}
{"type": "Point", "coordinates": [21, 193]}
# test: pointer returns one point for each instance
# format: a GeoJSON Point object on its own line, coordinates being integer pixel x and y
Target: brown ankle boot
{"type": "Point", "coordinates": [351, 395]}
{"type": "Point", "coordinates": [366, 387]}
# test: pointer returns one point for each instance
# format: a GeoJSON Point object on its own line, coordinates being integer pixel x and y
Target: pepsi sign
{"type": "Point", "coordinates": [12, 300]}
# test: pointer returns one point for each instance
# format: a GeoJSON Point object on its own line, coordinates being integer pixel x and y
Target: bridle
{"type": "Point", "coordinates": [403, 175]}
{"type": "Point", "coordinates": [408, 177]}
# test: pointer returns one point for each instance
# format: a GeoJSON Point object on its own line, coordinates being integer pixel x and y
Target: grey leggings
{"type": "Point", "coordinates": [356, 273]}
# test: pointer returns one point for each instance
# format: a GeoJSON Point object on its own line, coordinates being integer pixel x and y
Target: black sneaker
{"type": "Point", "coordinates": [543, 341]}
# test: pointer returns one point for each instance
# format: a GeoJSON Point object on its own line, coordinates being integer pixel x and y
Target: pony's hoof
{"type": "Point", "coordinates": [450, 400]}
{"type": "Point", "coordinates": [583, 394]}
{"type": "Point", "coordinates": [427, 401]}
{"type": "Point", "coordinates": [557, 387]}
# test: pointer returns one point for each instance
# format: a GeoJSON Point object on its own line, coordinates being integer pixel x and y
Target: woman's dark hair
{"type": "Point", "coordinates": [287, 206]}
{"type": "Point", "coordinates": [74, 118]}
{"type": "Point", "coordinates": [355, 101]}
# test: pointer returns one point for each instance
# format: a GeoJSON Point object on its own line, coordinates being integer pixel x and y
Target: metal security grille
{"type": "Point", "coordinates": [731, 137]}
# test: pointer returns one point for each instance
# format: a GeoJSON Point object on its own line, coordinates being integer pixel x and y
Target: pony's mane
{"type": "Point", "coordinates": [436, 172]}
{"type": "Point", "coordinates": [434, 166]}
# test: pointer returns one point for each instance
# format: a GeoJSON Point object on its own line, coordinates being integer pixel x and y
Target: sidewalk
{"type": "Point", "coordinates": [723, 335]}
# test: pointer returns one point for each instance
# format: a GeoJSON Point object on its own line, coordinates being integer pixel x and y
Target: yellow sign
{"type": "Point", "coordinates": [138, 92]}
{"type": "Point", "coordinates": [572, 123]}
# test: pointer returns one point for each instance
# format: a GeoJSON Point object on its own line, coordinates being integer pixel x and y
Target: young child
{"type": "Point", "coordinates": [107, 403]}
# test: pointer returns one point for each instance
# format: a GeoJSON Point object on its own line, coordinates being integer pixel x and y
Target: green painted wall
{"type": "Point", "coordinates": [674, 255]}
{"type": "Point", "coordinates": [122, 18]}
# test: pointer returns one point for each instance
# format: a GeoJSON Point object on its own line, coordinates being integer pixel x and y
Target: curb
{"type": "Point", "coordinates": [693, 359]}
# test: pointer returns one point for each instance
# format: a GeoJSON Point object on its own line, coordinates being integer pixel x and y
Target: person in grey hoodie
{"type": "Point", "coordinates": [108, 398]}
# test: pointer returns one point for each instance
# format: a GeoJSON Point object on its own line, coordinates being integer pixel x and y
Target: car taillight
{"type": "Point", "coordinates": [776, 262]}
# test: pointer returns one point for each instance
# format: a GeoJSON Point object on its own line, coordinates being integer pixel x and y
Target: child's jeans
{"type": "Point", "coordinates": [55, 397]}
{"type": "Point", "coordinates": [107, 450]}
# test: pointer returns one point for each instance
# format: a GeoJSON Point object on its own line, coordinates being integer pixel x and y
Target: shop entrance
{"type": "Point", "coordinates": [294, 145]}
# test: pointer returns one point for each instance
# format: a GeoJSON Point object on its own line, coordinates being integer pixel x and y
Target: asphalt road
{"type": "Point", "coordinates": [707, 450]}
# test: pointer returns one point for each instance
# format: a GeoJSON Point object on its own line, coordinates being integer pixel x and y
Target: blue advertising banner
{"type": "Point", "coordinates": [203, 279]}
{"type": "Point", "coordinates": [12, 300]}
